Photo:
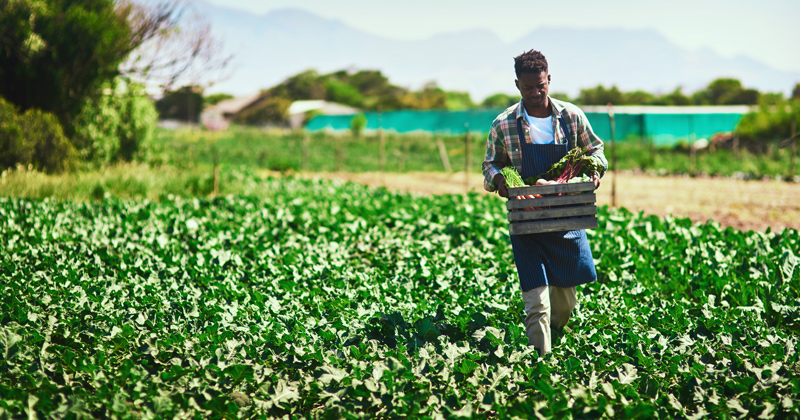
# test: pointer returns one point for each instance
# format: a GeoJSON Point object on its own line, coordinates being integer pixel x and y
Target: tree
{"type": "Point", "coordinates": [54, 55]}
{"type": "Point", "coordinates": [305, 85]}
{"type": "Point", "coordinates": [371, 83]}
{"type": "Point", "coordinates": [183, 104]}
{"type": "Point", "coordinates": [169, 46]}
{"type": "Point", "coordinates": [266, 110]}
{"type": "Point", "coordinates": [726, 91]}
{"type": "Point", "coordinates": [458, 101]}
{"type": "Point", "coordinates": [601, 96]}
{"type": "Point", "coordinates": [430, 97]}
{"type": "Point", "coordinates": [675, 98]}
{"type": "Point", "coordinates": [343, 92]}
{"type": "Point", "coordinates": [639, 97]}
{"type": "Point", "coordinates": [768, 125]}
{"type": "Point", "coordinates": [499, 100]}
{"type": "Point", "coordinates": [375, 89]}
{"type": "Point", "coordinates": [796, 92]}
{"type": "Point", "coordinates": [215, 98]}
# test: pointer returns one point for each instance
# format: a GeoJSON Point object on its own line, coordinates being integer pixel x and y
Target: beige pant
{"type": "Point", "coordinates": [547, 307]}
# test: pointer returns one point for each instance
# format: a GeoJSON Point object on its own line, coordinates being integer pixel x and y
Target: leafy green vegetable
{"type": "Point", "coordinates": [332, 300]}
{"type": "Point", "coordinates": [513, 179]}
{"type": "Point", "coordinates": [575, 163]}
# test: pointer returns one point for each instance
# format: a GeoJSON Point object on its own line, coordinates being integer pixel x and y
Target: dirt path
{"type": "Point", "coordinates": [745, 205]}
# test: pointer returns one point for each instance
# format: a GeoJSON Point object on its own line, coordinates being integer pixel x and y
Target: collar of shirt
{"type": "Point", "coordinates": [556, 110]}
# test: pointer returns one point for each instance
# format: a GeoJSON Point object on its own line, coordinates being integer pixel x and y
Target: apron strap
{"type": "Point", "coordinates": [564, 127]}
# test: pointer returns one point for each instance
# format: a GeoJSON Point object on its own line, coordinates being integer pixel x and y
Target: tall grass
{"type": "Point", "coordinates": [183, 161]}
{"type": "Point", "coordinates": [127, 180]}
{"type": "Point", "coordinates": [324, 151]}
{"type": "Point", "coordinates": [419, 152]}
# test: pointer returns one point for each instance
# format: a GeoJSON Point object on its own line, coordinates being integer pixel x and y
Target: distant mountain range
{"type": "Point", "coordinates": [269, 48]}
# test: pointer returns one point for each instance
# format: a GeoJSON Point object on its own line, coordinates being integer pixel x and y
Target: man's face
{"type": "Point", "coordinates": [533, 87]}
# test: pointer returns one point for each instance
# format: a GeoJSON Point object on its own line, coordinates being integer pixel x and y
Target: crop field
{"type": "Point", "coordinates": [322, 299]}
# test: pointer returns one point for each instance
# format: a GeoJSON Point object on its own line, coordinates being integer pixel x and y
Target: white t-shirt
{"type": "Point", "coordinates": [541, 129]}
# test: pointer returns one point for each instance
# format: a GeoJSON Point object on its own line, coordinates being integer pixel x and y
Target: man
{"type": "Point", "coordinates": [531, 136]}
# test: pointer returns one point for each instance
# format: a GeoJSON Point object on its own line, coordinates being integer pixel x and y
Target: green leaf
{"type": "Point", "coordinates": [788, 264]}
{"type": "Point", "coordinates": [627, 373]}
{"type": "Point", "coordinates": [9, 341]}
{"type": "Point", "coordinates": [426, 329]}
{"type": "Point", "coordinates": [330, 373]}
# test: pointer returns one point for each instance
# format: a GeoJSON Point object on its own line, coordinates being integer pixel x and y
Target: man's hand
{"type": "Point", "coordinates": [500, 183]}
{"type": "Point", "coordinates": [596, 179]}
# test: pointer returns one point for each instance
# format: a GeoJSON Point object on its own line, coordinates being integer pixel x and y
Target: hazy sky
{"type": "Point", "coordinates": [766, 30]}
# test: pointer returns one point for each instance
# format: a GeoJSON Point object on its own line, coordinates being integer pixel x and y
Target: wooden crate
{"type": "Point", "coordinates": [574, 209]}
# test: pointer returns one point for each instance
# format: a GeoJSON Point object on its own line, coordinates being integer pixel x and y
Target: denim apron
{"type": "Point", "coordinates": [560, 259]}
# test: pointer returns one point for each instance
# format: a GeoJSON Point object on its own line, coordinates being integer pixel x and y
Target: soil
{"type": "Point", "coordinates": [743, 205]}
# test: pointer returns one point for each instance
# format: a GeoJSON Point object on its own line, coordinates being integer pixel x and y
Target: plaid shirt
{"type": "Point", "coordinates": [503, 145]}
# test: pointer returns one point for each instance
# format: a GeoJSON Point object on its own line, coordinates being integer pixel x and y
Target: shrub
{"type": "Point", "coordinates": [12, 144]}
{"type": "Point", "coordinates": [51, 150]}
{"type": "Point", "coordinates": [119, 125]}
{"type": "Point", "coordinates": [357, 124]}
{"type": "Point", "coordinates": [270, 110]}
{"type": "Point", "coordinates": [183, 104]}
{"type": "Point", "coordinates": [34, 138]}
{"type": "Point", "coordinates": [56, 54]}
{"type": "Point", "coordinates": [770, 124]}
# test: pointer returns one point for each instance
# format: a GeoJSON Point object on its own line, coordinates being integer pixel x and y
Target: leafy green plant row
{"type": "Point", "coordinates": [331, 300]}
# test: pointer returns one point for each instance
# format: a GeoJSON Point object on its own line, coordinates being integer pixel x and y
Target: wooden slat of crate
{"type": "Point", "coordinates": [563, 213]}
{"type": "Point", "coordinates": [552, 189]}
{"type": "Point", "coordinates": [553, 225]}
{"type": "Point", "coordinates": [518, 216]}
{"type": "Point", "coordinates": [559, 200]}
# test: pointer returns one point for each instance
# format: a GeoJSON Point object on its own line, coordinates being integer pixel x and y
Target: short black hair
{"type": "Point", "coordinates": [530, 62]}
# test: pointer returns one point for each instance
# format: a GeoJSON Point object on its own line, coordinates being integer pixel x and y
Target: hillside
{"type": "Point", "coordinates": [271, 47]}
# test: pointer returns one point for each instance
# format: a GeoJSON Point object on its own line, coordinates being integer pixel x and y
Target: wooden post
{"type": "Point", "coordinates": [794, 147]}
{"type": "Point", "coordinates": [344, 152]}
{"type": "Point", "coordinates": [443, 155]}
{"type": "Point", "coordinates": [650, 140]}
{"type": "Point", "coordinates": [337, 160]}
{"type": "Point", "coordinates": [467, 155]}
{"type": "Point", "coordinates": [653, 153]}
{"type": "Point", "coordinates": [306, 140]}
{"type": "Point", "coordinates": [692, 149]}
{"type": "Point", "coordinates": [736, 145]}
{"type": "Point", "coordinates": [381, 142]}
{"type": "Point", "coordinates": [402, 154]}
{"type": "Point", "coordinates": [613, 156]}
{"type": "Point", "coordinates": [216, 173]}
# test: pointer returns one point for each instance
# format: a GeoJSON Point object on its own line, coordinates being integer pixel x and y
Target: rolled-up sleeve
{"type": "Point", "coordinates": [587, 137]}
{"type": "Point", "coordinates": [496, 157]}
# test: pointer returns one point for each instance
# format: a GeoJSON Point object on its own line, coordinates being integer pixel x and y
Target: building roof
{"type": "Point", "coordinates": [231, 106]}
{"type": "Point", "coordinates": [325, 107]}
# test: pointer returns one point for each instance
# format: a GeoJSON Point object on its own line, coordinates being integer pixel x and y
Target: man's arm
{"type": "Point", "coordinates": [495, 159]}
{"type": "Point", "coordinates": [587, 137]}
